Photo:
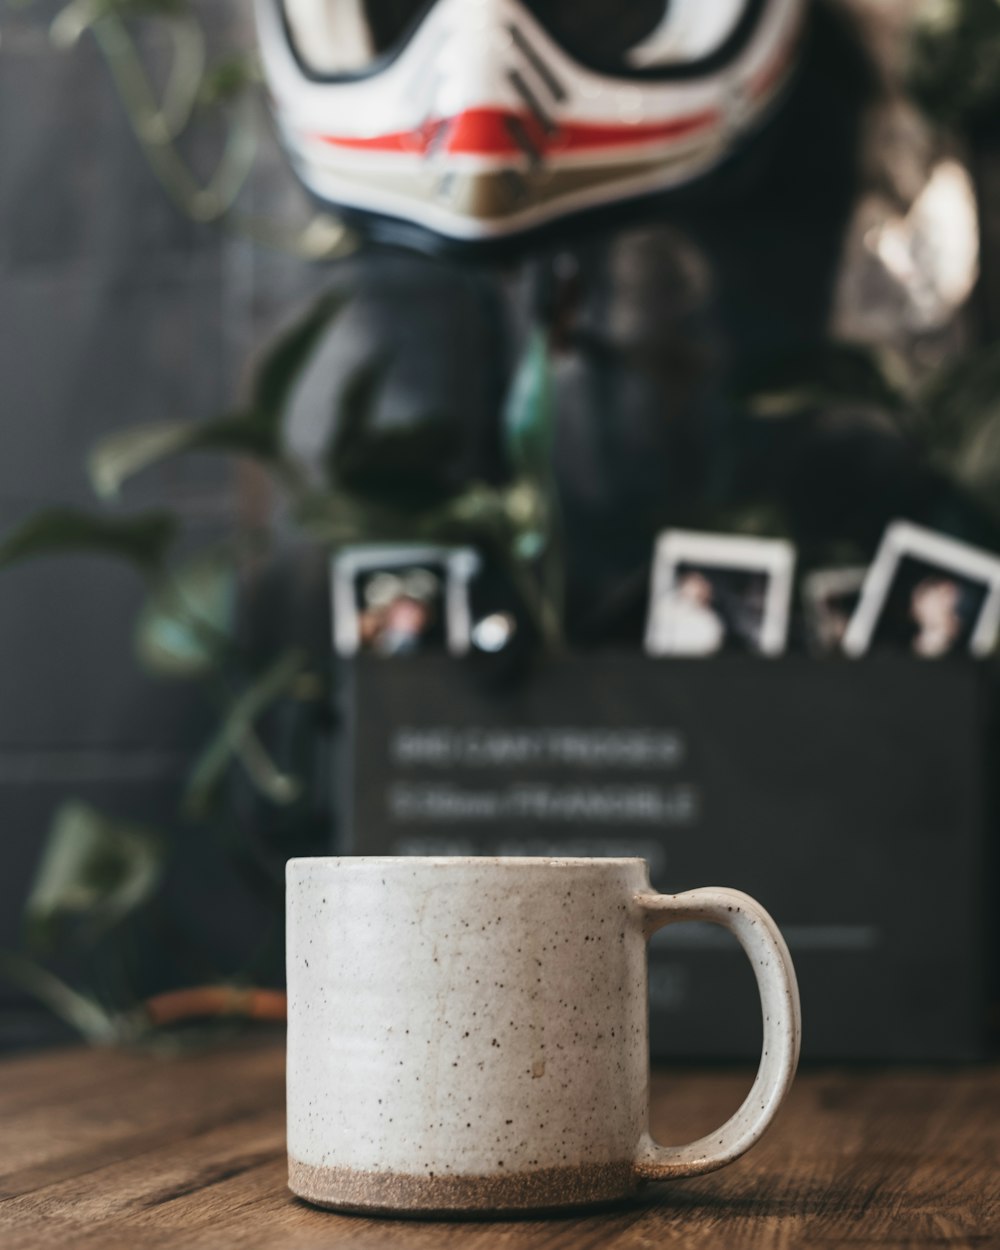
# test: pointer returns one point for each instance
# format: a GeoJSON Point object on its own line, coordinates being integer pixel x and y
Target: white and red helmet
{"type": "Point", "coordinates": [480, 119]}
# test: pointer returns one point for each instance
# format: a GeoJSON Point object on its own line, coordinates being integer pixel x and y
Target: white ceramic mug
{"type": "Point", "coordinates": [470, 1034]}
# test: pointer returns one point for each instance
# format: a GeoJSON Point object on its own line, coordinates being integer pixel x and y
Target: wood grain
{"type": "Point", "coordinates": [105, 1149]}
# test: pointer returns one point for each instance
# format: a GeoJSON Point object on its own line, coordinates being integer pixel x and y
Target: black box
{"type": "Point", "coordinates": [848, 797]}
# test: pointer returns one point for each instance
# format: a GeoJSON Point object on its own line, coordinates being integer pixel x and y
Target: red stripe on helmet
{"type": "Point", "coordinates": [493, 132]}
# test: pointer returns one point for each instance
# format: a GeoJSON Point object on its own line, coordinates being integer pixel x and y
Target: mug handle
{"type": "Point", "coordinates": [779, 999]}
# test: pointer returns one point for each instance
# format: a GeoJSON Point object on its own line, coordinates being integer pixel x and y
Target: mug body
{"type": "Point", "coordinates": [465, 1034]}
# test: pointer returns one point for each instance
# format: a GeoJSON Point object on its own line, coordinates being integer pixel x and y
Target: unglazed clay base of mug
{"type": "Point", "coordinates": [388, 1193]}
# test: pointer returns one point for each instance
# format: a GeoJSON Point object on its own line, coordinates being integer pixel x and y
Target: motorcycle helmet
{"type": "Point", "coordinates": [479, 120]}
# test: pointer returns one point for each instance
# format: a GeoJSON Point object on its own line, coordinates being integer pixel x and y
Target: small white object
{"type": "Point", "coordinates": [494, 632]}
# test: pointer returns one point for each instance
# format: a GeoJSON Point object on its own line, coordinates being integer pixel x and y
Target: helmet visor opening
{"type": "Point", "coordinates": [333, 37]}
{"type": "Point", "coordinates": [640, 38]}
{"type": "Point", "coordinates": [648, 37]}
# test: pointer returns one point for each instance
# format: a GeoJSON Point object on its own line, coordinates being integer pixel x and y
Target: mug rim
{"type": "Point", "coordinates": [499, 861]}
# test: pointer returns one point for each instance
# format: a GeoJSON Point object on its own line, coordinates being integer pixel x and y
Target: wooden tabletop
{"type": "Point", "coordinates": [109, 1149]}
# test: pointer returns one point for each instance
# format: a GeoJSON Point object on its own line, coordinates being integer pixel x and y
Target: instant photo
{"type": "Point", "coordinates": [928, 596]}
{"type": "Point", "coordinates": [830, 598]}
{"type": "Point", "coordinates": [401, 600]}
{"type": "Point", "coordinates": [714, 593]}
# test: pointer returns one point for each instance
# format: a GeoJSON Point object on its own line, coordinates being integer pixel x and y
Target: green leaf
{"type": "Point", "coordinates": [480, 514]}
{"type": "Point", "coordinates": [528, 410]}
{"type": "Point", "coordinates": [142, 539]}
{"type": "Point", "coordinates": [977, 465]}
{"type": "Point", "coordinates": [255, 432]}
{"type": "Point", "coordinates": [960, 425]}
{"type": "Point", "coordinates": [515, 520]}
{"type": "Point", "coordinates": [828, 374]}
{"type": "Point", "coordinates": [282, 363]}
{"type": "Point", "coordinates": [531, 513]}
{"type": "Point", "coordinates": [954, 60]}
{"type": "Point", "coordinates": [957, 401]}
{"type": "Point", "coordinates": [236, 739]}
{"type": "Point", "coordinates": [78, 16]}
{"type": "Point", "coordinates": [187, 622]}
{"type": "Point", "coordinates": [79, 1011]}
{"type": "Point", "coordinates": [337, 519]}
{"type": "Point", "coordinates": [119, 456]}
{"type": "Point", "coordinates": [94, 871]}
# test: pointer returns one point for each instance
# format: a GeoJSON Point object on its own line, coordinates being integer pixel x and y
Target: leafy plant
{"type": "Point", "coordinates": [199, 93]}
{"type": "Point", "coordinates": [98, 875]}
{"type": "Point", "coordinates": [143, 540]}
{"type": "Point", "coordinates": [93, 874]}
{"type": "Point", "coordinates": [954, 70]}
{"type": "Point", "coordinates": [953, 416]}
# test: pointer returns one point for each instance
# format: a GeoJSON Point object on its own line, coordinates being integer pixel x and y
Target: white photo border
{"type": "Point", "coordinates": [773, 556]}
{"type": "Point", "coordinates": [461, 566]}
{"type": "Point", "coordinates": [904, 538]}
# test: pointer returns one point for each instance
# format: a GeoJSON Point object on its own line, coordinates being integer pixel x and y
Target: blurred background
{"type": "Point", "coordinates": [213, 385]}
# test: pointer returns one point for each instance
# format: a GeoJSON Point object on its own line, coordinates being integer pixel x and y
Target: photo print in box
{"type": "Point", "coordinates": [928, 595]}
{"type": "Point", "coordinates": [719, 592]}
{"type": "Point", "coordinates": [402, 599]}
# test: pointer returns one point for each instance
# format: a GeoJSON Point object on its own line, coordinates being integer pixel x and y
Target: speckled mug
{"type": "Point", "coordinates": [470, 1034]}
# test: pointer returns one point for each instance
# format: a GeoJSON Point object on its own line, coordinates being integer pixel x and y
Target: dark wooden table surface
{"type": "Point", "coordinates": [105, 1149]}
